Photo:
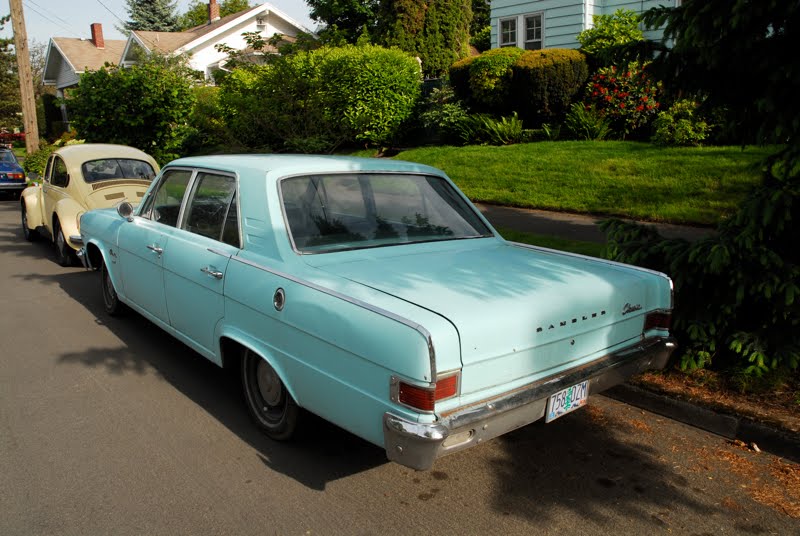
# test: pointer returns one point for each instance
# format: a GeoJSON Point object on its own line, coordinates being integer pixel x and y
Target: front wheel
{"type": "Point", "coordinates": [270, 405]}
{"type": "Point", "coordinates": [29, 234]}
{"type": "Point", "coordinates": [111, 302]}
{"type": "Point", "coordinates": [63, 251]}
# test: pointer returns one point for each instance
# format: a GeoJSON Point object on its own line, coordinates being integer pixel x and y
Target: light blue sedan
{"type": "Point", "coordinates": [372, 293]}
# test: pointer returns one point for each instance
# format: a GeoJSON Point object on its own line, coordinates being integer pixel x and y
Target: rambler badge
{"type": "Point", "coordinates": [628, 308]}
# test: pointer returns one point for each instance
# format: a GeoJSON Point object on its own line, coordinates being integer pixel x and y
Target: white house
{"type": "Point", "coordinates": [199, 43]}
{"type": "Point", "coordinates": [67, 58]}
{"type": "Point", "coordinates": [535, 24]}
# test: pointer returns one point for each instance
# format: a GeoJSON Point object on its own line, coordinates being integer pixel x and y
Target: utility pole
{"type": "Point", "coordinates": [25, 76]}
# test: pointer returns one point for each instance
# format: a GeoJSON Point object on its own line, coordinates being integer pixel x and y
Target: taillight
{"type": "Point", "coordinates": [425, 398]}
{"type": "Point", "coordinates": [658, 320]}
{"type": "Point", "coordinates": [18, 176]}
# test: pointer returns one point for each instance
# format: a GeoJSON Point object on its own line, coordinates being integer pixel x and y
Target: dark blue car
{"type": "Point", "coordinates": [12, 176]}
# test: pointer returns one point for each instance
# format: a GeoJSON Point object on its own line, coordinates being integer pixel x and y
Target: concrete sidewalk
{"type": "Point", "coordinates": [573, 226]}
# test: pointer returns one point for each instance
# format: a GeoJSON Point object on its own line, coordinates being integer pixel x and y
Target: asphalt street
{"type": "Point", "coordinates": [109, 426]}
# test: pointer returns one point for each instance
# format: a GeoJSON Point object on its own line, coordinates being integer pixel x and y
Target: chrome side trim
{"type": "Point", "coordinates": [595, 259]}
{"type": "Point", "coordinates": [76, 239]}
{"type": "Point", "coordinates": [355, 301]}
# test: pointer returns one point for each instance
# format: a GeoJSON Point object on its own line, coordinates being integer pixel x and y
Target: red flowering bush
{"type": "Point", "coordinates": [627, 96]}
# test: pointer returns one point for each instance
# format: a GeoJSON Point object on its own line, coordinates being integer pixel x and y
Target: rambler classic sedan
{"type": "Point", "coordinates": [80, 178]}
{"type": "Point", "coordinates": [372, 293]}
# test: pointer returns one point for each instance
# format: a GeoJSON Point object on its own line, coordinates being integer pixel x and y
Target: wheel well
{"type": "Point", "coordinates": [231, 352]}
{"type": "Point", "coordinates": [95, 257]}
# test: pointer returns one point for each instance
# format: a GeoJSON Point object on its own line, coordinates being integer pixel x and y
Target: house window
{"type": "Point", "coordinates": [533, 32]}
{"type": "Point", "coordinates": [508, 33]}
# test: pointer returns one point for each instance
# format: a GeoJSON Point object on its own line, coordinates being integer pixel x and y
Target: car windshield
{"type": "Point", "coordinates": [352, 211]}
{"type": "Point", "coordinates": [116, 168]}
{"type": "Point", "coordinates": [7, 156]}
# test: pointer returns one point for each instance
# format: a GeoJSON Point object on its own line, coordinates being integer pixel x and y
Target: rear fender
{"type": "Point", "coordinates": [67, 210]}
{"type": "Point", "coordinates": [31, 197]}
{"type": "Point", "coordinates": [258, 347]}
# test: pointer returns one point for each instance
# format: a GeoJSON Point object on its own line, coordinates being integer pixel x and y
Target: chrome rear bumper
{"type": "Point", "coordinates": [417, 445]}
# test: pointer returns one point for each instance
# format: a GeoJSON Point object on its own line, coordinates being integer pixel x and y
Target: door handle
{"type": "Point", "coordinates": [155, 248]}
{"type": "Point", "coordinates": [213, 273]}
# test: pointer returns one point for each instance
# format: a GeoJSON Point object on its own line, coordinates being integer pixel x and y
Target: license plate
{"type": "Point", "coordinates": [567, 400]}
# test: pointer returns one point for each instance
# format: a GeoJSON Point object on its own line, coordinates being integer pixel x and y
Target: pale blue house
{"type": "Point", "coordinates": [535, 24]}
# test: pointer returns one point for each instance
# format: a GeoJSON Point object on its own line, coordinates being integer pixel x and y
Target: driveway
{"type": "Point", "coordinates": [109, 426]}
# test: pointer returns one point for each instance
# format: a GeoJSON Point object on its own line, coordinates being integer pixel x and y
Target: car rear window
{"type": "Point", "coordinates": [106, 169]}
{"type": "Point", "coordinates": [353, 211]}
{"type": "Point", "coordinates": [7, 156]}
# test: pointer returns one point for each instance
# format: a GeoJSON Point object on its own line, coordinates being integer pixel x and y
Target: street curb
{"type": "Point", "coordinates": [779, 442]}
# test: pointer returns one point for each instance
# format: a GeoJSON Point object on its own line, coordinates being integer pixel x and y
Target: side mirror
{"type": "Point", "coordinates": [34, 176]}
{"type": "Point", "coordinates": [125, 209]}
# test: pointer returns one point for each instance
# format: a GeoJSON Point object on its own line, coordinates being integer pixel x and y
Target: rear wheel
{"type": "Point", "coordinates": [111, 302]}
{"type": "Point", "coordinates": [270, 405]}
{"type": "Point", "coordinates": [64, 253]}
{"type": "Point", "coordinates": [29, 234]}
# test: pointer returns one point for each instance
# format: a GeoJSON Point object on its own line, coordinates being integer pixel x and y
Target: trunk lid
{"type": "Point", "coordinates": [518, 312]}
{"type": "Point", "coordinates": [105, 194]}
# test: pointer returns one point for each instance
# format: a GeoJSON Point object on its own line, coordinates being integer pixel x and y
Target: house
{"type": "Point", "coordinates": [535, 24]}
{"type": "Point", "coordinates": [199, 43]}
{"type": "Point", "coordinates": [67, 58]}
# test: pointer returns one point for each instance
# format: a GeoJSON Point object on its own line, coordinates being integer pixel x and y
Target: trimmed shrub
{"type": "Point", "coordinates": [680, 125]}
{"type": "Point", "coordinates": [545, 82]}
{"type": "Point", "coordinates": [488, 80]}
{"type": "Point", "coordinates": [316, 101]}
{"type": "Point", "coordinates": [370, 89]}
{"type": "Point", "coordinates": [152, 101]}
{"type": "Point", "coordinates": [482, 40]}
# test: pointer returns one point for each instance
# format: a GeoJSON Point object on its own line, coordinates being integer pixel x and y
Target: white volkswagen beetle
{"type": "Point", "coordinates": [79, 178]}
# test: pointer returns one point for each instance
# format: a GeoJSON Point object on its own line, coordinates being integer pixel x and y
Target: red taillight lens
{"type": "Point", "coordinates": [425, 398]}
{"type": "Point", "coordinates": [657, 320]}
{"type": "Point", "coordinates": [18, 176]}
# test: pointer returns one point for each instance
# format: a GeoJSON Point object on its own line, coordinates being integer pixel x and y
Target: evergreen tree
{"type": "Point", "coordinates": [152, 15]}
{"type": "Point", "coordinates": [437, 31]}
{"type": "Point", "coordinates": [197, 12]}
{"type": "Point", "coordinates": [10, 104]}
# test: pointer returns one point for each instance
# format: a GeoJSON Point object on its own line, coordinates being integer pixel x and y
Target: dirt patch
{"type": "Point", "coordinates": [779, 407]}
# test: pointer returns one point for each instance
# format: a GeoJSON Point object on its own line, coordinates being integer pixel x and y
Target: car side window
{"type": "Point", "coordinates": [59, 177]}
{"type": "Point", "coordinates": [49, 169]}
{"type": "Point", "coordinates": [210, 207]}
{"type": "Point", "coordinates": [164, 205]}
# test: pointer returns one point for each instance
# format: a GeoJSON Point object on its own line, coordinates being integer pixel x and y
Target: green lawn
{"type": "Point", "coordinates": [584, 248]}
{"type": "Point", "coordinates": [695, 185]}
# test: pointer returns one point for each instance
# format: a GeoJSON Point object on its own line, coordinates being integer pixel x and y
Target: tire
{"type": "Point", "coordinates": [271, 406]}
{"type": "Point", "coordinates": [29, 234]}
{"type": "Point", "coordinates": [111, 302]}
{"type": "Point", "coordinates": [64, 254]}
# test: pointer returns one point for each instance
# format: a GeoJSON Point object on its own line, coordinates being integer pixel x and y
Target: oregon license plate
{"type": "Point", "coordinates": [567, 400]}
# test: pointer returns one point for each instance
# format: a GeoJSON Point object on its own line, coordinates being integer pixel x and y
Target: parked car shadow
{"type": "Point", "coordinates": [576, 463]}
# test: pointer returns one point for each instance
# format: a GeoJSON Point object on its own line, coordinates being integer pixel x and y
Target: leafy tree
{"type": "Point", "coordinates": [152, 15]}
{"type": "Point", "coordinates": [197, 12]}
{"type": "Point", "coordinates": [481, 12]}
{"type": "Point", "coordinates": [152, 102]}
{"type": "Point", "coordinates": [608, 40]}
{"type": "Point", "coordinates": [436, 31]}
{"type": "Point", "coordinates": [344, 20]}
{"type": "Point", "coordinates": [737, 295]}
{"type": "Point", "coordinates": [10, 104]}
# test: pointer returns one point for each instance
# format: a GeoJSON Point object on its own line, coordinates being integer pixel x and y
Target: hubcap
{"type": "Point", "coordinates": [269, 384]}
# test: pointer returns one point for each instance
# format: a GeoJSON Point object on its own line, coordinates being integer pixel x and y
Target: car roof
{"type": "Point", "coordinates": [288, 164]}
{"type": "Point", "coordinates": [89, 151]}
